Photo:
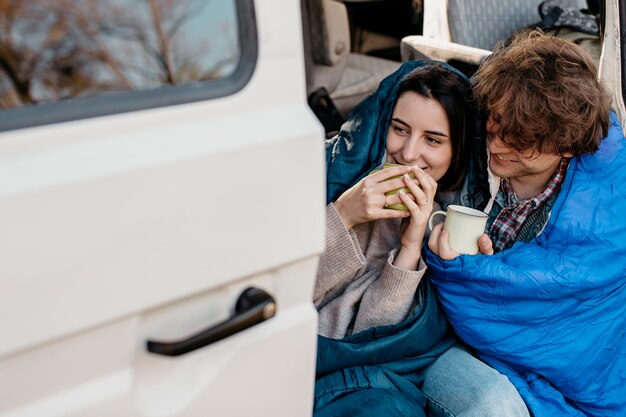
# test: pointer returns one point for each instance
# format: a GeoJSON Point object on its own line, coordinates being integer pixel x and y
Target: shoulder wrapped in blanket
{"type": "Point", "coordinates": [551, 314]}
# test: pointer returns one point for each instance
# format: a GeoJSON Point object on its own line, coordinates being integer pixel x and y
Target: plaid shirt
{"type": "Point", "coordinates": [506, 226]}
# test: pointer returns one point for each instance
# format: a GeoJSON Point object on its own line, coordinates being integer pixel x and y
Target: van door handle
{"type": "Point", "coordinates": [253, 307]}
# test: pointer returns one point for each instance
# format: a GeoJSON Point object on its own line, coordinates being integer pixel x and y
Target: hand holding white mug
{"type": "Point", "coordinates": [462, 233]}
{"type": "Point", "coordinates": [439, 245]}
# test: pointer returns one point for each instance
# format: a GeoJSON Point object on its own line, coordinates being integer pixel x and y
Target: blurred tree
{"type": "Point", "coordinates": [58, 49]}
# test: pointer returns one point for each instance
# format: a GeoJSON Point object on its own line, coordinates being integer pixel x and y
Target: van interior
{"type": "Point", "coordinates": [351, 45]}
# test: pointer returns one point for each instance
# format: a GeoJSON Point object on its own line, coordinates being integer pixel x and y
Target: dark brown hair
{"type": "Point", "coordinates": [545, 94]}
{"type": "Point", "coordinates": [452, 90]}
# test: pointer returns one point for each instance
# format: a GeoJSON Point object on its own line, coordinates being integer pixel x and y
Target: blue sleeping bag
{"type": "Point", "coordinates": [377, 372]}
{"type": "Point", "coordinates": [551, 314]}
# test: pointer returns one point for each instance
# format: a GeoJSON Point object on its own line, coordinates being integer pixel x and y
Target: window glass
{"type": "Point", "coordinates": [53, 50]}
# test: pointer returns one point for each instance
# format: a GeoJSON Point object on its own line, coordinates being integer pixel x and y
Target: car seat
{"type": "Point", "coordinates": [337, 79]}
{"type": "Point", "coordinates": [467, 30]}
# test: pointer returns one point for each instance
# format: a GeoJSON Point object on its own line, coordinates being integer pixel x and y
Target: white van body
{"type": "Point", "coordinates": [149, 223]}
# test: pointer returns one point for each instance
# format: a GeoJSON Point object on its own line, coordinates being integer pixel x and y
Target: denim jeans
{"type": "Point", "coordinates": [459, 385]}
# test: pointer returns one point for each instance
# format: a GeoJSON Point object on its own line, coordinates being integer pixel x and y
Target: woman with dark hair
{"type": "Point", "coordinates": [430, 125]}
{"type": "Point", "coordinates": [384, 345]}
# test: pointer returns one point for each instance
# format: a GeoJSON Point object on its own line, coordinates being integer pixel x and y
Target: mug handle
{"type": "Point", "coordinates": [432, 216]}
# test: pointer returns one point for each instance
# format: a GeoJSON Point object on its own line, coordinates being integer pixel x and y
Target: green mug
{"type": "Point", "coordinates": [399, 206]}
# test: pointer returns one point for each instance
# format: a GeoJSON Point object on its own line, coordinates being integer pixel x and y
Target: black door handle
{"type": "Point", "coordinates": [253, 307]}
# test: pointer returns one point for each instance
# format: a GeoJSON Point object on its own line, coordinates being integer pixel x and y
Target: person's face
{"type": "Point", "coordinates": [419, 134]}
{"type": "Point", "coordinates": [507, 162]}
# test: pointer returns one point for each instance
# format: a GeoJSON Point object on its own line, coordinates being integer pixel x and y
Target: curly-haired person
{"type": "Point", "coordinates": [545, 301]}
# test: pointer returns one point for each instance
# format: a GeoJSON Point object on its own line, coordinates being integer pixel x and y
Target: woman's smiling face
{"type": "Point", "coordinates": [419, 134]}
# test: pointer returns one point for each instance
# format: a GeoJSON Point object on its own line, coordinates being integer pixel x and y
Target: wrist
{"type": "Point", "coordinates": [411, 247]}
{"type": "Point", "coordinates": [412, 244]}
{"type": "Point", "coordinates": [345, 219]}
{"type": "Point", "coordinates": [407, 258]}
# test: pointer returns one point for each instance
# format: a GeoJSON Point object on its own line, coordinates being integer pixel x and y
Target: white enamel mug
{"type": "Point", "coordinates": [464, 226]}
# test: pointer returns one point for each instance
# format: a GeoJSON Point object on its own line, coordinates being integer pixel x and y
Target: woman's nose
{"type": "Point", "coordinates": [412, 150]}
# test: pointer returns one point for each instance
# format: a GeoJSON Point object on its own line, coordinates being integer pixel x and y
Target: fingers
{"type": "Point", "coordinates": [387, 173]}
{"type": "Point", "coordinates": [485, 246]}
{"type": "Point", "coordinates": [387, 183]}
{"type": "Point", "coordinates": [372, 187]}
{"type": "Point", "coordinates": [439, 244]}
{"type": "Point", "coordinates": [394, 214]}
{"type": "Point", "coordinates": [422, 187]}
{"type": "Point", "coordinates": [392, 184]}
{"type": "Point", "coordinates": [423, 201]}
{"type": "Point", "coordinates": [433, 240]}
{"type": "Point", "coordinates": [390, 179]}
{"type": "Point", "coordinates": [426, 182]}
{"type": "Point", "coordinates": [408, 200]}
{"type": "Point", "coordinates": [445, 252]}
{"type": "Point", "coordinates": [395, 198]}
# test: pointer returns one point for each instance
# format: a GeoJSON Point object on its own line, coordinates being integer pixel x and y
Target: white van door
{"type": "Point", "coordinates": [161, 209]}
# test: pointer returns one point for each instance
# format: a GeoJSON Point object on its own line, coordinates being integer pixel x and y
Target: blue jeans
{"type": "Point", "coordinates": [459, 385]}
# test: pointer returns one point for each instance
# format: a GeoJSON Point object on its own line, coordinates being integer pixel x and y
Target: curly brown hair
{"type": "Point", "coordinates": [545, 94]}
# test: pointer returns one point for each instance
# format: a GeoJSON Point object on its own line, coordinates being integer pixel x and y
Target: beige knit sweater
{"type": "Point", "coordinates": [357, 285]}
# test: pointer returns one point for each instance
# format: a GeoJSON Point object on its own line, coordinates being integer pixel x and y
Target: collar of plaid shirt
{"type": "Point", "coordinates": [509, 221]}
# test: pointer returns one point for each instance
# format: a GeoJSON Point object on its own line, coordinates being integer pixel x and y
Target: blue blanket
{"type": "Point", "coordinates": [377, 372]}
{"type": "Point", "coordinates": [551, 314]}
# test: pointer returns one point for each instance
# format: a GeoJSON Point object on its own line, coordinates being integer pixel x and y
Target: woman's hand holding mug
{"type": "Point", "coordinates": [367, 200]}
{"type": "Point", "coordinates": [420, 205]}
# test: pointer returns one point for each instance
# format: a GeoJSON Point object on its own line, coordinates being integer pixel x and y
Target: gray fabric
{"type": "Point", "coordinates": [319, 36]}
{"type": "Point", "coordinates": [482, 23]}
{"type": "Point", "coordinates": [360, 78]}
{"type": "Point", "coordinates": [555, 14]}
{"type": "Point", "coordinates": [357, 285]}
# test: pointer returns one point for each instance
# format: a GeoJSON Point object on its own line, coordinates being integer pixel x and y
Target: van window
{"type": "Point", "coordinates": [55, 51]}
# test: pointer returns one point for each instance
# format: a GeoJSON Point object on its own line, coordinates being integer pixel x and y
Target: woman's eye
{"type": "Point", "coordinates": [400, 130]}
{"type": "Point", "coordinates": [432, 140]}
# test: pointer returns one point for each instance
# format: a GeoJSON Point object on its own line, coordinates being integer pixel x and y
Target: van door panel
{"type": "Point", "coordinates": [92, 376]}
{"type": "Point", "coordinates": [148, 225]}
